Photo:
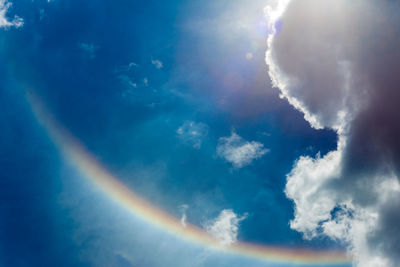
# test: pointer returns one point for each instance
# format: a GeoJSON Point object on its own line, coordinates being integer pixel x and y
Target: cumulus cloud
{"type": "Point", "coordinates": [6, 22]}
{"type": "Point", "coordinates": [193, 133]}
{"type": "Point", "coordinates": [225, 227]}
{"type": "Point", "coordinates": [238, 151]}
{"type": "Point", "coordinates": [336, 61]}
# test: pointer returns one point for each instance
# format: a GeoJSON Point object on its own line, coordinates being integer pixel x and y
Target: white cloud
{"type": "Point", "coordinates": [323, 205]}
{"type": "Point", "coordinates": [183, 220]}
{"type": "Point", "coordinates": [183, 208]}
{"type": "Point", "coordinates": [157, 63]}
{"type": "Point", "coordinates": [318, 62]}
{"type": "Point", "coordinates": [193, 133]}
{"type": "Point", "coordinates": [225, 227]}
{"type": "Point", "coordinates": [238, 151]}
{"type": "Point", "coordinates": [146, 81]}
{"type": "Point", "coordinates": [4, 21]}
{"type": "Point", "coordinates": [132, 65]}
{"type": "Point", "coordinates": [305, 187]}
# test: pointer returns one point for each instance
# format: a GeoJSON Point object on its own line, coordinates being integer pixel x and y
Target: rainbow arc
{"type": "Point", "coordinates": [133, 203]}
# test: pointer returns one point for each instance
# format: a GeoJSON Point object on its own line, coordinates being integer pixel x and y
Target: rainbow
{"type": "Point", "coordinates": [117, 191]}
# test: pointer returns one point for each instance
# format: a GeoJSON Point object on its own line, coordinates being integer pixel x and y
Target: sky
{"type": "Point", "coordinates": [199, 133]}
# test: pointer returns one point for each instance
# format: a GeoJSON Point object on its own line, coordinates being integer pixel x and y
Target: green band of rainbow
{"type": "Point", "coordinates": [113, 188]}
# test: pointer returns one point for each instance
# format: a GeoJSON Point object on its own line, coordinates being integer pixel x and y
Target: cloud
{"type": "Point", "coordinates": [157, 63]}
{"type": "Point", "coordinates": [225, 227]}
{"type": "Point", "coordinates": [4, 21]}
{"type": "Point", "coordinates": [183, 208]}
{"type": "Point", "coordinates": [127, 68]}
{"type": "Point", "coordinates": [90, 49]}
{"type": "Point", "coordinates": [193, 133]}
{"type": "Point", "coordinates": [146, 81]}
{"type": "Point", "coordinates": [336, 61]}
{"type": "Point", "coordinates": [128, 75]}
{"type": "Point", "coordinates": [238, 151]}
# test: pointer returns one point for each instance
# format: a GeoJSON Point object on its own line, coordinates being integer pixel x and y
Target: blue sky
{"type": "Point", "coordinates": [163, 95]}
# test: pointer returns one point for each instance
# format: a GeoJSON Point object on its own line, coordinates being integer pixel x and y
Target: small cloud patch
{"type": "Point", "coordinates": [183, 208]}
{"type": "Point", "coordinates": [157, 63]}
{"type": "Point", "coordinates": [225, 227]}
{"type": "Point", "coordinates": [4, 22]}
{"type": "Point", "coordinates": [193, 133]}
{"type": "Point", "coordinates": [238, 151]}
{"type": "Point", "coordinates": [90, 49]}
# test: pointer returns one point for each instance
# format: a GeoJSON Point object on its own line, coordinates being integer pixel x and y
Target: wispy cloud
{"type": "Point", "coordinates": [183, 208]}
{"type": "Point", "coordinates": [225, 227]}
{"type": "Point", "coordinates": [238, 151]}
{"type": "Point", "coordinates": [157, 63]}
{"type": "Point", "coordinates": [90, 49]}
{"type": "Point", "coordinates": [4, 21]}
{"type": "Point", "coordinates": [146, 81]}
{"type": "Point", "coordinates": [193, 133]}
